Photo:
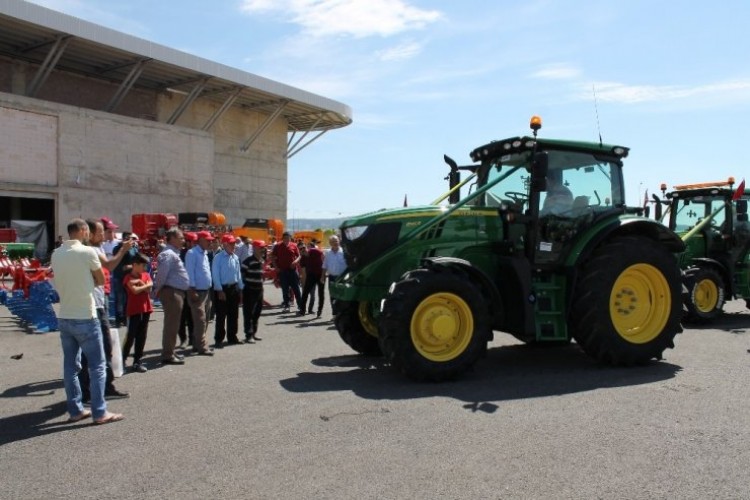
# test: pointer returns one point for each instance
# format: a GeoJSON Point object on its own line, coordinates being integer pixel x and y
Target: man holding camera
{"type": "Point", "coordinates": [119, 272]}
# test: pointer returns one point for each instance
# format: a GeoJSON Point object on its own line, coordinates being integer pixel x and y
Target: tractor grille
{"type": "Point", "coordinates": [376, 240]}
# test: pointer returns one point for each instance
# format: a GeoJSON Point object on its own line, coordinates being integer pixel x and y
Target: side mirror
{"type": "Point", "coordinates": [539, 167]}
{"type": "Point", "coordinates": [741, 207]}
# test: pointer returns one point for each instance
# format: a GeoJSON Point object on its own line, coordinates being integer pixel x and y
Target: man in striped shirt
{"type": "Point", "coordinates": [252, 293]}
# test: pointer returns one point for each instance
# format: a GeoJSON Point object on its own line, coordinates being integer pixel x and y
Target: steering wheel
{"type": "Point", "coordinates": [519, 198]}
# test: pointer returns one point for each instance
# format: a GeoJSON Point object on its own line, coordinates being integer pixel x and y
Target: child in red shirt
{"type": "Point", "coordinates": [137, 285]}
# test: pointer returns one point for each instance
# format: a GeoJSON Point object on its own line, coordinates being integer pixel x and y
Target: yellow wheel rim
{"type": "Point", "coordinates": [442, 326]}
{"type": "Point", "coordinates": [365, 318]}
{"type": "Point", "coordinates": [640, 303]}
{"type": "Point", "coordinates": [705, 295]}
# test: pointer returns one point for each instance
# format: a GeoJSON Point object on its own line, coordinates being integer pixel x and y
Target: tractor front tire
{"type": "Point", "coordinates": [627, 306]}
{"type": "Point", "coordinates": [352, 323]}
{"type": "Point", "coordinates": [705, 294]}
{"type": "Point", "coordinates": [434, 324]}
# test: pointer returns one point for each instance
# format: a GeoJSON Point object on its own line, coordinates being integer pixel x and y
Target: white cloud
{"type": "Point", "coordinates": [557, 72]}
{"type": "Point", "coordinates": [630, 94]}
{"type": "Point", "coordinates": [357, 18]}
{"type": "Point", "coordinates": [400, 52]}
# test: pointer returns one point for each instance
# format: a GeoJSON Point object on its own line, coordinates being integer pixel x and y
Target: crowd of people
{"type": "Point", "coordinates": [197, 278]}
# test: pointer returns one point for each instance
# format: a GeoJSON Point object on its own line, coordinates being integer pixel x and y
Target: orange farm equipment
{"type": "Point", "coordinates": [267, 230]}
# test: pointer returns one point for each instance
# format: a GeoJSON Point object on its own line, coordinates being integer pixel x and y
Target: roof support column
{"type": "Point", "coordinates": [125, 86]}
{"type": "Point", "coordinates": [48, 65]}
{"type": "Point", "coordinates": [267, 123]}
{"type": "Point", "coordinates": [224, 107]}
{"type": "Point", "coordinates": [291, 153]}
{"type": "Point", "coordinates": [194, 93]}
{"type": "Point", "coordinates": [290, 148]}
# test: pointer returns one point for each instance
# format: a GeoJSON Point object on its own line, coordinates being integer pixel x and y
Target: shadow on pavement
{"type": "Point", "coordinates": [507, 373]}
{"type": "Point", "coordinates": [729, 322]}
{"type": "Point", "coordinates": [37, 423]}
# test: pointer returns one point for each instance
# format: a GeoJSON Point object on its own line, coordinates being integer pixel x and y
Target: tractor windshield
{"type": "Point", "coordinates": [576, 181]}
{"type": "Point", "coordinates": [690, 212]}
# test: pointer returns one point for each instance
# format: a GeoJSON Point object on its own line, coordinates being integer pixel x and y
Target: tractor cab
{"type": "Point", "coordinates": [549, 191]}
{"type": "Point", "coordinates": [707, 216]}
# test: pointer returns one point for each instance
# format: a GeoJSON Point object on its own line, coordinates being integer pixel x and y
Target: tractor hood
{"type": "Point", "coordinates": [393, 214]}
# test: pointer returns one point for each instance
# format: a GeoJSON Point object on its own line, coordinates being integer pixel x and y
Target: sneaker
{"type": "Point", "coordinates": [138, 367]}
{"type": "Point", "coordinates": [285, 310]}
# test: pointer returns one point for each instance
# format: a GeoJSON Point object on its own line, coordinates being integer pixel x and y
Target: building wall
{"type": "Point", "coordinates": [120, 164]}
{"type": "Point", "coordinates": [76, 90]}
{"type": "Point", "coordinates": [249, 183]}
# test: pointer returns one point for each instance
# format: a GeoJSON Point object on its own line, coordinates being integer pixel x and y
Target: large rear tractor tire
{"type": "Point", "coordinates": [705, 294]}
{"type": "Point", "coordinates": [357, 328]}
{"type": "Point", "coordinates": [627, 306]}
{"type": "Point", "coordinates": [434, 324]}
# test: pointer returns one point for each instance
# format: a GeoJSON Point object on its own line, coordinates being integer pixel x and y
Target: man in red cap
{"type": "Point", "coordinates": [110, 238]}
{"type": "Point", "coordinates": [285, 256]}
{"type": "Point", "coordinates": [252, 291]}
{"type": "Point", "coordinates": [312, 263]}
{"type": "Point", "coordinates": [199, 275]}
{"type": "Point", "coordinates": [186, 323]}
{"type": "Point", "coordinates": [227, 284]}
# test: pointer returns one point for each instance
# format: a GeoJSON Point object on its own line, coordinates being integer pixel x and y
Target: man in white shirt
{"type": "Point", "coordinates": [110, 237]}
{"type": "Point", "coordinates": [334, 265]}
{"type": "Point", "coordinates": [78, 271]}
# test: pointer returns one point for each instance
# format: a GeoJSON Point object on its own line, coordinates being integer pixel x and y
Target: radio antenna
{"type": "Point", "coordinates": [596, 109]}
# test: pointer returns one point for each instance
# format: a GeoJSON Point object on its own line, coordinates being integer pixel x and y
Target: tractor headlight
{"type": "Point", "coordinates": [355, 232]}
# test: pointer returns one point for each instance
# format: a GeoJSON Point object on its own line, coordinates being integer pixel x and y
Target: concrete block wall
{"type": "Point", "coordinates": [249, 183]}
{"type": "Point", "coordinates": [115, 165]}
{"type": "Point", "coordinates": [75, 90]}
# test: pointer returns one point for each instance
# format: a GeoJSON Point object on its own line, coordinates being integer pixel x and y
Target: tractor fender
{"type": "Point", "coordinates": [623, 226]}
{"type": "Point", "coordinates": [477, 275]}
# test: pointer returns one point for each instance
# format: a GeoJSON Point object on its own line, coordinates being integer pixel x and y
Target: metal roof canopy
{"type": "Point", "coordinates": [52, 40]}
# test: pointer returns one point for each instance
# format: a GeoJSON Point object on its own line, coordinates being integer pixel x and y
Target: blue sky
{"type": "Point", "coordinates": [427, 78]}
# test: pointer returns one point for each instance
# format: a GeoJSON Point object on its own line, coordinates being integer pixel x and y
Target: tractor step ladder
{"type": "Point", "coordinates": [550, 307]}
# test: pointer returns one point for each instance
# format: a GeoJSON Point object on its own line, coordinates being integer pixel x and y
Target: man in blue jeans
{"type": "Point", "coordinates": [77, 272]}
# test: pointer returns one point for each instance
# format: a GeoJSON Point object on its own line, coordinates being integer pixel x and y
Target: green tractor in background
{"type": "Point", "coordinates": [712, 220]}
{"type": "Point", "coordinates": [543, 247]}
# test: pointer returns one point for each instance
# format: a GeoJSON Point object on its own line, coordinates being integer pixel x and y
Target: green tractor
{"type": "Point", "coordinates": [543, 247]}
{"type": "Point", "coordinates": [712, 220]}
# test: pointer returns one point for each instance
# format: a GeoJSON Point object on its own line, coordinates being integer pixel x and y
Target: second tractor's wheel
{"type": "Point", "coordinates": [626, 309]}
{"type": "Point", "coordinates": [434, 324]}
{"type": "Point", "coordinates": [357, 328]}
{"type": "Point", "coordinates": [705, 294]}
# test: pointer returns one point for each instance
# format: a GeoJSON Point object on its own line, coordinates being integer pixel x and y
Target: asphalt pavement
{"type": "Point", "coordinates": [299, 415]}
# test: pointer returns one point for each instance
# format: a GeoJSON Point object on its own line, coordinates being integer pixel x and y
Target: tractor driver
{"type": "Point", "coordinates": [559, 199]}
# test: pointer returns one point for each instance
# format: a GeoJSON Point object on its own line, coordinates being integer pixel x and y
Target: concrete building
{"type": "Point", "coordinates": [95, 122]}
